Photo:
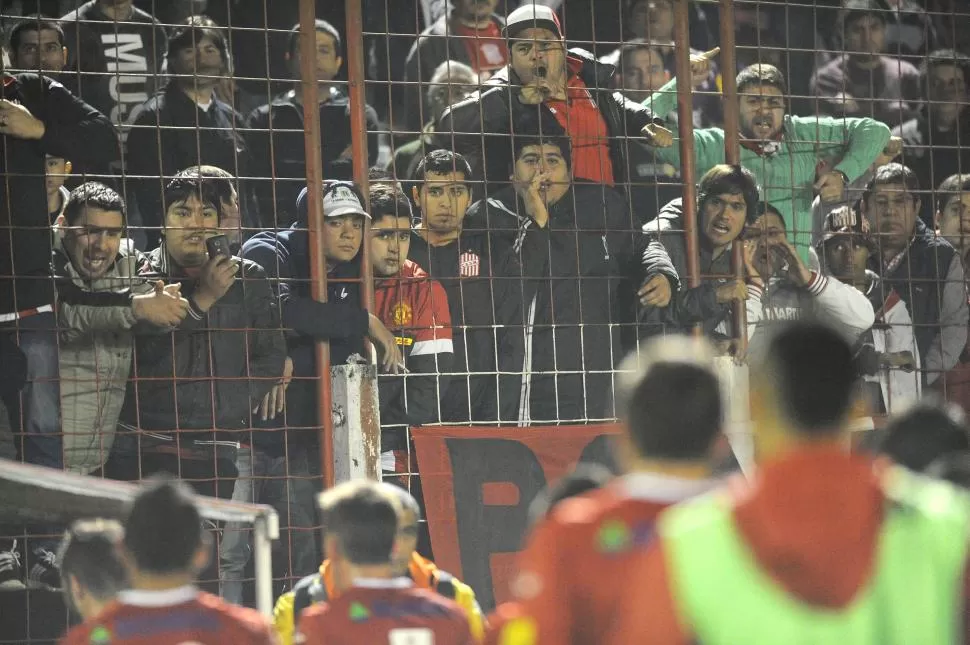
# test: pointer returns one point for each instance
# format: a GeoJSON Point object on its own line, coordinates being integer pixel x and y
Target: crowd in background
{"type": "Point", "coordinates": [526, 221]}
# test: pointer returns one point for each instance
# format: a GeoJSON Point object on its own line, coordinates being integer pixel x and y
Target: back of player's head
{"type": "Point", "coordinates": [810, 372]}
{"type": "Point", "coordinates": [405, 501]}
{"type": "Point", "coordinates": [362, 519]}
{"type": "Point", "coordinates": [670, 399]}
{"type": "Point", "coordinates": [89, 554]}
{"type": "Point", "coordinates": [163, 530]}
{"type": "Point", "coordinates": [927, 431]}
{"type": "Point", "coordinates": [583, 479]}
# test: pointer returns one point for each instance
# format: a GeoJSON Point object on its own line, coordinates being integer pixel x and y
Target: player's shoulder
{"type": "Point", "coordinates": [243, 619]}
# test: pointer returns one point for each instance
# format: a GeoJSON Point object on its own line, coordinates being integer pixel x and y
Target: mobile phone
{"type": "Point", "coordinates": [218, 245]}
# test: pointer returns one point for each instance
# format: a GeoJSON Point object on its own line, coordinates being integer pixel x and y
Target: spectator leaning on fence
{"type": "Point", "coordinates": [484, 293]}
{"type": "Point", "coordinates": [190, 388]}
{"type": "Point", "coordinates": [101, 303]}
{"type": "Point", "coordinates": [778, 561]}
{"type": "Point", "coordinates": [783, 151]}
{"type": "Point", "coordinates": [572, 573]}
{"type": "Point", "coordinates": [185, 124]}
{"type": "Point", "coordinates": [164, 549]}
{"type": "Point", "coordinates": [471, 35]}
{"type": "Point", "coordinates": [575, 245]}
{"type": "Point", "coordinates": [569, 87]}
{"type": "Point", "coordinates": [38, 117]}
{"type": "Point", "coordinates": [275, 132]}
{"type": "Point", "coordinates": [92, 573]}
{"type": "Point", "coordinates": [923, 269]}
{"type": "Point", "coordinates": [937, 139]}
{"type": "Point", "coordinates": [375, 603]}
{"type": "Point", "coordinates": [727, 201]}
{"type": "Point", "coordinates": [864, 81]}
{"type": "Point", "coordinates": [414, 308]}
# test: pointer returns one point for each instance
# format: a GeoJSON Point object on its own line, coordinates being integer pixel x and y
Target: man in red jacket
{"type": "Point", "coordinates": [821, 547]}
{"type": "Point", "coordinates": [164, 549]}
{"type": "Point", "coordinates": [567, 584]}
{"type": "Point", "coordinates": [374, 605]}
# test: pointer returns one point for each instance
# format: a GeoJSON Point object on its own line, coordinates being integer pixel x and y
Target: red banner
{"type": "Point", "coordinates": [478, 484]}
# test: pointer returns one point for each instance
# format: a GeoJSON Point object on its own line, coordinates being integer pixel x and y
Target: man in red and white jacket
{"type": "Point", "coordinates": [415, 309]}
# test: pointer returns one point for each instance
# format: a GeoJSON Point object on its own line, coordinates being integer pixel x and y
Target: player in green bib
{"type": "Point", "coordinates": [821, 547]}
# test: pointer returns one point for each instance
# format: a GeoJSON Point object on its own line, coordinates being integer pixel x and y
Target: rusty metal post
{"type": "Point", "coordinates": [318, 263]}
{"type": "Point", "coordinates": [685, 127]}
{"type": "Point", "coordinates": [732, 142]}
{"type": "Point", "coordinates": [358, 130]}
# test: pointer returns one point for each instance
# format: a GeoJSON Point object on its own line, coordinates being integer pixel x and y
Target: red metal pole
{"type": "Point", "coordinates": [685, 126]}
{"type": "Point", "coordinates": [318, 263]}
{"type": "Point", "coordinates": [358, 131]}
{"type": "Point", "coordinates": [732, 143]}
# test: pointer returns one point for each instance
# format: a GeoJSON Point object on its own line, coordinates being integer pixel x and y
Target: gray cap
{"type": "Point", "coordinates": [339, 198]}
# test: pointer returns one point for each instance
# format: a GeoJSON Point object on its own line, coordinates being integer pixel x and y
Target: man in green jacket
{"type": "Point", "coordinates": [784, 151]}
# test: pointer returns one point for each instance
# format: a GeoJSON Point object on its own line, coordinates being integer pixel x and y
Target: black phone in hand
{"type": "Point", "coordinates": [218, 245]}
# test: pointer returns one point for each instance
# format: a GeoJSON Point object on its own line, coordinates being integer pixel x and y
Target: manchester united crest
{"type": "Point", "coordinates": [402, 314]}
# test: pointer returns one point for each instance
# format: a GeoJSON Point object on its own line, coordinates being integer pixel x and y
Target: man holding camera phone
{"type": "Point", "coordinates": [194, 390]}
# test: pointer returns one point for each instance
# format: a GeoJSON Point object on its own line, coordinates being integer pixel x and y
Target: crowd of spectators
{"type": "Point", "coordinates": [525, 217]}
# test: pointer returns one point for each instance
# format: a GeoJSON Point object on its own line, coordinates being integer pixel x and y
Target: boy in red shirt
{"type": "Point", "coordinates": [374, 606]}
{"type": "Point", "coordinates": [164, 549]}
{"type": "Point", "coordinates": [568, 583]}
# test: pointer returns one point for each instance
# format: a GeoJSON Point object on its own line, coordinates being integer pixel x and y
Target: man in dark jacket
{"type": "Point", "coordinates": [482, 284]}
{"type": "Point", "coordinates": [471, 34]}
{"type": "Point", "coordinates": [38, 117]}
{"type": "Point", "coordinates": [185, 124]}
{"type": "Point", "coordinates": [191, 388]}
{"type": "Point", "coordinates": [274, 132]}
{"type": "Point", "coordinates": [576, 245]}
{"type": "Point", "coordinates": [570, 88]}
{"type": "Point", "coordinates": [727, 200]}
{"type": "Point", "coordinates": [922, 268]}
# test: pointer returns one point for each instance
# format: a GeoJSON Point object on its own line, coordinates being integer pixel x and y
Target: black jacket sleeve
{"type": "Point", "coordinates": [264, 338]}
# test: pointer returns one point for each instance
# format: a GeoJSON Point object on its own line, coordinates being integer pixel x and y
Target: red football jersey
{"type": "Point", "coordinates": [572, 571]}
{"type": "Point", "coordinates": [385, 612]}
{"type": "Point", "coordinates": [415, 309]}
{"type": "Point", "coordinates": [172, 617]}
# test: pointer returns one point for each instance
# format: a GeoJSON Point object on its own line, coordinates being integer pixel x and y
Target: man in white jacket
{"type": "Point", "coordinates": [781, 287]}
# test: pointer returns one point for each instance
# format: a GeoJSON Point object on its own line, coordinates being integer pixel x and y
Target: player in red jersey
{"type": "Point", "coordinates": [374, 605]}
{"type": "Point", "coordinates": [164, 548]}
{"type": "Point", "coordinates": [572, 570]}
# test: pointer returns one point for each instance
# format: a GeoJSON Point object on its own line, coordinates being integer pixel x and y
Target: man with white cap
{"type": "Point", "coordinates": [570, 86]}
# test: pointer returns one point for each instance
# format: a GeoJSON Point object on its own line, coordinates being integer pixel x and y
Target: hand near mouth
{"type": "Point", "coordinates": [534, 94]}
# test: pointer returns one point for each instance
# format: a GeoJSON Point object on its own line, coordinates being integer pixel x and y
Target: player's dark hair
{"type": "Point", "coordinates": [442, 162]}
{"type": "Point", "coordinates": [727, 179]}
{"type": "Point", "coordinates": [927, 431]}
{"type": "Point", "coordinates": [320, 25]}
{"type": "Point", "coordinates": [893, 173]}
{"type": "Point", "coordinates": [363, 520]}
{"type": "Point", "coordinates": [221, 179]}
{"type": "Point", "coordinates": [36, 23]}
{"type": "Point", "coordinates": [671, 400]}
{"type": "Point", "coordinates": [388, 200]}
{"type": "Point", "coordinates": [189, 33]}
{"type": "Point", "coordinates": [951, 187]}
{"type": "Point", "coordinates": [95, 195]}
{"type": "Point", "coordinates": [89, 553]}
{"type": "Point", "coordinates": [583, 479]}
{"type": "Point", "coordinates": [766, 208]}
{"type": "Point", "coordinates": [814, 376]}
{"type": "Point", "coordinates": [539, 132]}
{"type": "Point", "coordinates": [192, 182]}
{"type": "Point", "coordinates": [853, 10]}
{"type": "Point", "coordinates": [163, 529]}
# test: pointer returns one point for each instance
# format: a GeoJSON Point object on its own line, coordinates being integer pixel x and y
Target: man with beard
{"type": "Point", "coordinates": [922, 268]}
{"type": "Point", "coordinates": [544, 80]}
{"type": "Point", "coordinates": [784, 151]}
{"type": "Point", "coordinates": [184, 125]}
{"type": "Point", "coordinates": [782, 287]}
